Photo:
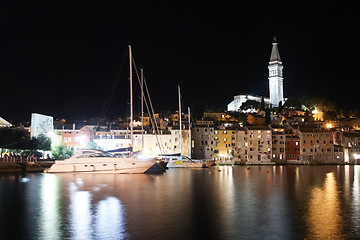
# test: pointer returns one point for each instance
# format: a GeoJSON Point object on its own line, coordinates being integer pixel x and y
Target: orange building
{"type": "Point", "coordinates": [75, 137]}
{"type": "Point", "coordinates": [256, 120]}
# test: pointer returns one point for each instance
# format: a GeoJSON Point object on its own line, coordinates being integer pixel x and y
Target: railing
{"type": "Point", "coordinates": [13, 159]}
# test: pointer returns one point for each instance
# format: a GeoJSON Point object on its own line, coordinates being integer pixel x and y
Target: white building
{"type": "Point", "coordinates": [235, 105]}
{"type": "Point", "coordinates": [275, 77]}
{"type": "Point", "coordinates": [4, 123]}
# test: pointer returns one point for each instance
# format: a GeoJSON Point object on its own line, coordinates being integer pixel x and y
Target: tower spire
{"type": "Point", "coordinates": [275, 76]}
{"type": "Point", "coordinates": [275, 55]}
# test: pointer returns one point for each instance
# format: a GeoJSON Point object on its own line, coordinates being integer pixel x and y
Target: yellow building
{"type": "Point", "coordinates": [147, 119]}
{"type": "Point", "coordinates": [223, 146]}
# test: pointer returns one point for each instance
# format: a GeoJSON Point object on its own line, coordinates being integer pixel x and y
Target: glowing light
{"type": "Point", "coordinates": [324, 218]}
{"type": "Point", "coordinates": [110, 220]}
{"type": "Point", "coordinates": [357, 156]}
{"type": "Point", "coordinates": [328, 125]}
{"type": "Point", "coordinates": [315, 111]}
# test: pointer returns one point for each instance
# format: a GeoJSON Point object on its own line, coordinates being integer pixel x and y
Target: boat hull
{"type": "Point", "coordinates": [189, 164]}
{"type": "Point", "coordinates": [131, 166]}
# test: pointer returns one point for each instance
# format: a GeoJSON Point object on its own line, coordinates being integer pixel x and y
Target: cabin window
{"type": "Point", "coordinates": [85, 165]}
{"type": "Point", "coordinates": [104, 164]}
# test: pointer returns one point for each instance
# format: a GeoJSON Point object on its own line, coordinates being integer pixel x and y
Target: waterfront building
{"type": "Point", "coordinates": [292, 148]}
{"type": "Point", "coordinates": [203, 142]}
{"type": "Point", "coordinates": [350, 141]}
{"type": "Point", "coordinates": [278, 143]}
{"type": "Point", "coordinates": [241, 146]}
{"type": "Point", "coordinates": [175, 143]}
{"type": "Point", "coordinates": [259, 145]}
{"type": "Point", "coordinates": [317, 145]}
{"type": "Point", "coordinates": [74, 137]}
{"type": "Point", "coordinates": [223, 151]}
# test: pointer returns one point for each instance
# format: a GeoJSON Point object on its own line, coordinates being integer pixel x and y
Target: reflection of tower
{"type": "Point", "coordinates": [275, 77]}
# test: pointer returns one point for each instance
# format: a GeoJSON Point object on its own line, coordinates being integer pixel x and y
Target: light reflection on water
{"type": "Point", "coordinates": [235, 202]}
{"type": "Point", "coordinates": [324, 217]}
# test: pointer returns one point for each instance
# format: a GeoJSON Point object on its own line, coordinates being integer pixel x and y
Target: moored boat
{"type": "Point", "coordinates": [177, 161]}
{"type": "Point", "coordinates": [97, 161]}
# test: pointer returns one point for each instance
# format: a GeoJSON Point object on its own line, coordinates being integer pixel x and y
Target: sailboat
{"type": "Point", "coordinates": [96, 161]}
{"type": "Point", "coordinates": [180, 161]}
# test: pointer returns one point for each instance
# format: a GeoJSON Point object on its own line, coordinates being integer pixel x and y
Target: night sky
{"type": "Point", "coordinates": [61, 58]}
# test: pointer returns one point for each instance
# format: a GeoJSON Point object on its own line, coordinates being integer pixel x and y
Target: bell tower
{"type": "Point", "coordinates": [275, 76]}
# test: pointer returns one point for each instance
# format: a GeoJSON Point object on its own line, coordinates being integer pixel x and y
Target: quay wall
{"type": "Point", "coordinates": [12, 165]}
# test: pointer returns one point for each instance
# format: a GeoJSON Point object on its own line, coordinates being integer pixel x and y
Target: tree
{"type": "Point", "coordinates": [14, 138]}
{"type": "Point", "coordinates": [249, 104]}
{"type": "Point", "coordinates": [267, 116]}
{"type": "Point", "coordinates": [61, 152]}
{"type": "Point", "coordinates": [43, 142]}
{"type": "Point", "coordinates": [262, 104]}
{"type": "Point", "coordinates": [58, 148]}
{"type": "Point", "coordinates": [292, 103]}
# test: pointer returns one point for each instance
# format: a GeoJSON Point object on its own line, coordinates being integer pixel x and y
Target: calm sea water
{"type": "Point", "coordinates": [289, 202]}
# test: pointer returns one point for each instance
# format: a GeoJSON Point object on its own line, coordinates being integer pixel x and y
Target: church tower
{"type": "Point", "coordinates": [275, 77]}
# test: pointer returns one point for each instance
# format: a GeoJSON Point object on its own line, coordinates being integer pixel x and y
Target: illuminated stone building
{"type": "Point", "coordinates": [203, 142]}
{"type": "Point", "coordinates": [278, 143]}
{"type": "Point", "coordinates": [292, 148]}
{"type": "Point", "coordinates": [350, 142]}
{"type": "Point", "coordinates": [223, 150]}
{"type": "Point", "coordinates": [75, 137]}
{"type": "Point", "coordinates": [316, 145]}
{"type": "Point", "coordinates": [253, 145]}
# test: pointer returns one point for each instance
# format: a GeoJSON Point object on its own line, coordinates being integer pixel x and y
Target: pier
{"type": "Point", "coordinates": [13, 164]}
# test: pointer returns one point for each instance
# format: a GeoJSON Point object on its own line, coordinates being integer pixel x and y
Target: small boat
{"type": "Point", "coordinates": [97, 161]}
{"type": "Point", "coordinates": [177, 161]}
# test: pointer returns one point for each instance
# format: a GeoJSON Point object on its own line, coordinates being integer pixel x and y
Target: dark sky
{"type": "Point", "coordinates": [61, 58]}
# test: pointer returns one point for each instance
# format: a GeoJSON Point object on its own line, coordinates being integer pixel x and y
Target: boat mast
{"type": "Point", "coordinates": [142, 109]}
{"type": "Point", "coordinates": [131, 104]}
{"type": "Point", "coordinates": [189, 133]}
{"type": "Point", "coordinates": [180, 121]}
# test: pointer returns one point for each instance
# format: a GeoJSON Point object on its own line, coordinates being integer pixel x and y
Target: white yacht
{"type": "Point", "coordinates": [97, 161]}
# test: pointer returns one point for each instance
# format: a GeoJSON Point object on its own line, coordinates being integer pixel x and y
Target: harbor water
{"type": "Point", "coordinates": [222, 202]}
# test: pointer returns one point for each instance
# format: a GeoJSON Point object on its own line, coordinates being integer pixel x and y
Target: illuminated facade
{"type": "Point", "coordinates": [223, 152]}
{"type": "Point", "coordinates": [203, 139]}
{"type": "Point", "coordinates": [4, 123]}
{"type": "Point", "coordinates": [275, 77]}
{"type": "Point", "coordinates": [75, 137]}
{"type": "Point", "coordinates": [278, 144]}
{"type": "Point", "coordinates": [235, 105]}
{"type": "Point", "coordinates": [253, 145]}
{"type": "Point", "coordinates": [316, 145]}
{"type": "Point", "coordinates": [292, 147]}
